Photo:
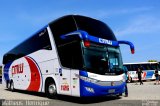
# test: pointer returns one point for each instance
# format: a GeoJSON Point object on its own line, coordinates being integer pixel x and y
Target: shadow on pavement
{"type": "Point", "coordinates": [85, 100]}
{"type": "Point", "coordinates": [29, 93]}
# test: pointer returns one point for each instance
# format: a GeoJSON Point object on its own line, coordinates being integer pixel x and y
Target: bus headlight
{"type": "Point", "coordinates": [88, 79]}
{"type": "Point", "coordinates": [102, 83]}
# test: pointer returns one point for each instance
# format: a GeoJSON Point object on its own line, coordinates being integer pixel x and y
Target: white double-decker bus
{"type": "Point", "coordinates": [148, 69]}
{"type": "Point", "coordinates": [73, 55]}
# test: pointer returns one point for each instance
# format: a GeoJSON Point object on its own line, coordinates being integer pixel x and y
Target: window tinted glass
{"type": "Point", "coordinates": [69, 51]}
{"type": "Point", "coordinates": [94, 27]}
{"type": "Point", "coordinates": [96, 60]}
{"type": "Point", "coordinates": [134, 67]}
{"type": "Point", "coordinates": [38, 41]}
{"type": "Point", "coordinates": [71, 55]}
{"type": "Point", "coordinates": [62, 26]}
{"type": "Point", "coordinates": [102, 60]}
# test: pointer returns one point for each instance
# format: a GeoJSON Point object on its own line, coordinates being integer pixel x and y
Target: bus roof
{"type": "Point", "coordinates": [141, 63]}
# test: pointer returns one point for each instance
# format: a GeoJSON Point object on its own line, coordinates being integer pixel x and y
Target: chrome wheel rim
{"type": "Point", "coordinates": [52, 89]}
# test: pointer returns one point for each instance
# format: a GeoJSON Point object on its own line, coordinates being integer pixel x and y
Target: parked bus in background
{"type": "Point", "coordinates": [73, 55]}
{"type": "Point", "coordinates": [148, 69]}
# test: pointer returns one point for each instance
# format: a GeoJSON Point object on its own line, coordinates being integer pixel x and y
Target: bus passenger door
{"type": "Point", "coordinates": [75, 85]}
{"type": "Point", "coordinates": [64, 81]}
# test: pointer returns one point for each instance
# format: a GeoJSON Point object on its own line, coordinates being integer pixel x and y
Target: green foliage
{"type": "Point", "coordinates": [152, 61]}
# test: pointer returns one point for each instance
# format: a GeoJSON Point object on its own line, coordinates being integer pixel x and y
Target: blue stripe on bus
{"type": "Point", "coordinates": [83, 73]}
{"type": "Point", "coordinates": [85, 36]}
{"type": "Point", "coordinates": [103, 41]}
{"type": "Point", "coordinates": [6, 71]}
{"type": "Point", "coordinates": [149, 74]}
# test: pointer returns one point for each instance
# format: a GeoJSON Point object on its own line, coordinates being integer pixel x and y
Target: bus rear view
{"type": "Point", "coordinates": [83, 59]}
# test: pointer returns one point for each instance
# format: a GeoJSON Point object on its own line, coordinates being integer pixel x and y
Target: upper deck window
{"type": "Point", "coordinates": [94, 27]}
{"type": "Point", "coordinates": [38, 41]}
{"type": "Point", "coordinates": [62, 26]}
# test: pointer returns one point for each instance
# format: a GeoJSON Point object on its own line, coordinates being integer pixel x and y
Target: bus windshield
{"type": "Point", "coordinates": [102, 61]}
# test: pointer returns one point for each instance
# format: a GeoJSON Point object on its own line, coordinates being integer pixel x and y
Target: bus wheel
{"type": "Point", "coordinates": [51, 90]}
{"type": "Point", "coordinates": [12, 86]}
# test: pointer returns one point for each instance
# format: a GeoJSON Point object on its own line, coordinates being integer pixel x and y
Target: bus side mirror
{"type": "Point", "coordinates": [128, 43]}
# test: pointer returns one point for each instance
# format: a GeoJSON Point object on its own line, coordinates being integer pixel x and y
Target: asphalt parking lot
{"type": "Point", "coordinates": [137, 95]}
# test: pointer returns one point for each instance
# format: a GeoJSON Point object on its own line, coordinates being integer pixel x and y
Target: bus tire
{"type": "Point", "coordinates": [11, 86]}
{"type": "Point", "coordinates": [51, 89]}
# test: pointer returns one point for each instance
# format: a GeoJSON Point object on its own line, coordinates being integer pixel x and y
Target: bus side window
{"type": "Point", "coordinates": [8, 58]}
{"type": "Point", "coordinates": [44, 40]}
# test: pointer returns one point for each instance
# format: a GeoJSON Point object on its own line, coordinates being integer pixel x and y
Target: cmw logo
{"type": "Point", "coordinates": [105, 41]}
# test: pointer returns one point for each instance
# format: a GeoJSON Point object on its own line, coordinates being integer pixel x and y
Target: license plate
{"type": "Point", "coordinates": [111, 90]}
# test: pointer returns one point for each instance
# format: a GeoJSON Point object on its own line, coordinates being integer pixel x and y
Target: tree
{"type": "Point", "coordinates": [152, 61]}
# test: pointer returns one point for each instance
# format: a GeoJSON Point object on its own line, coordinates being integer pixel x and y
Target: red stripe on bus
{"type": "Point", "coordinates": [35, 76]}
{"type": "Point", "coordinates": [144, 75]}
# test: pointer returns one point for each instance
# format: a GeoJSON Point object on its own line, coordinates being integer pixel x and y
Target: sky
{"type": "Point", "coordinates": [137, 21]}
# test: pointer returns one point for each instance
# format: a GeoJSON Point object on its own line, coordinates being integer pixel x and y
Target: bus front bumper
{"type": "Point", "coordinates": [92, 89]}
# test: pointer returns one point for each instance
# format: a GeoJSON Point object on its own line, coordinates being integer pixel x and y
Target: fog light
{"type": "Point", "coordinates": [89, 89]}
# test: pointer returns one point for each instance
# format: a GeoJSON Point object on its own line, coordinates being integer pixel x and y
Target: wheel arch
{"type": "Point", "coordinates": [48, 80]}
